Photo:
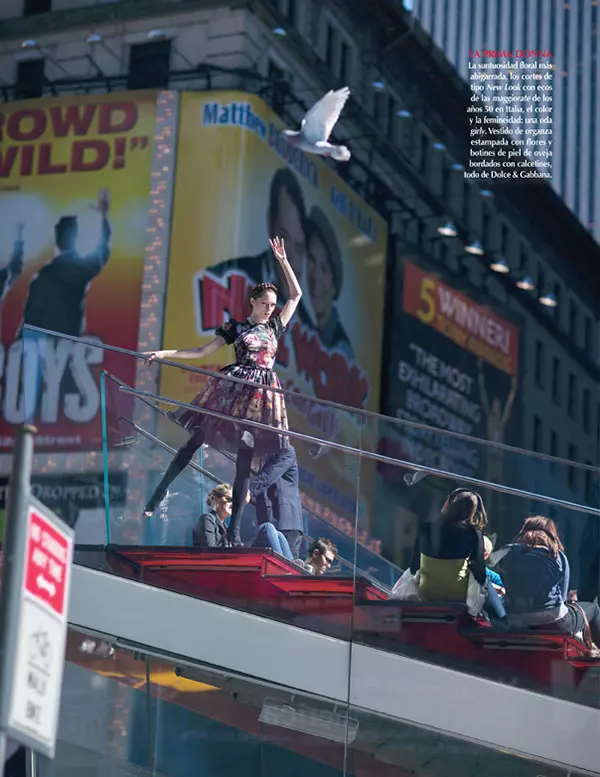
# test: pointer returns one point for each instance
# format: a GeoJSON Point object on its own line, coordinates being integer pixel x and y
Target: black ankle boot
{"type": "Point", "coordinates": [153, 503]}
{"type": "Point", "coordinates": [160, 491]}
{"type": "Point", "coordinates": [233, 537]}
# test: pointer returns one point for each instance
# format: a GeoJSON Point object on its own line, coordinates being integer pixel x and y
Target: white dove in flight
{"type": "Point", "coordinates": [318, 124]}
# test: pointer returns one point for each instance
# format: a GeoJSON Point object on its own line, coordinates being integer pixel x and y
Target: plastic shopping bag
{"type": "Point", "coordinates": [407, 587]}
{"type": "Point", "coordinates": [475, 597]}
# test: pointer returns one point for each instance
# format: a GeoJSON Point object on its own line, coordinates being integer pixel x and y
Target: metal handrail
{"type": "Point", "coordinates": [475, 482]}
{"type": "Point", "coordinates": [157, 441]}
{"type": "Point", "coordinates": [361, 412]}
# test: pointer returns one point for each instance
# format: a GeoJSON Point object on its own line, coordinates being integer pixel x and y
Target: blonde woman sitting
{"type": "Point", "coordinates": [211, 529]}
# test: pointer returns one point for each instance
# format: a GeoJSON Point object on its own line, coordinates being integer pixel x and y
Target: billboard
{"type": "Point", "coordinates": [74, 187]}
{"type": "Point", "coordinates": [237, 182]}
{"type": "Point", "coordinates": [454, 365]}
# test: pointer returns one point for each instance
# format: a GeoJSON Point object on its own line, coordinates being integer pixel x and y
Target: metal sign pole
{"type": "Point", "coordinates": [13, 545]}
{"type": "Point", "coordinates": [38, 556]}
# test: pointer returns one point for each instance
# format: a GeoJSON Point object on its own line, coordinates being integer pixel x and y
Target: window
{"type": "Point", "coordinates": [558, 295]}
{"type": "Point", "coordinates": [33, 7]}
{"type": "Point", "coordinates": [571, 395]}
{"type": "Point", "coordinates": [553, 444]}
{"type": "Point", "coordinates": [503, 239]}
{"type": "Point", "coordinates": [330, 46]}
{"type": "Point", "coordinates": [590, 496]}
{"type": "Point", "coordinates": [541, 279]}
{"type": "Point", "coordinates": [487, 225]}
{"type": "Point", "coordinates": [539, 364]}
{"type": "Point", "coordinates": [424, 151]}
{"type": "Point", "coordinates": [573, 320]}
{"type": "Point", "coordinates": [277, 94]}
{"type": "Point", "coordinates": [522, 257]}
{"type": "Point", "coordinates": [30, 79]}
{"type": "Point", "coordinates": [345, 63]}
{"type": "Point", "coordinates": [384, 112]}
{"type": "Point", "coordinates": [274, 72]}
{"type": "Point", "coordinates": [588, 337]}
{"type": "Point", "coordinates": [149, 65]}
{"type": "Point", "coordinates": [572, 472]}
{"type": "Point", "coordinates": [537, 434]}
{"type": "Point", "coordinates": [556, 380]}
{"type": "Point", "coordinates": [585, 410]}
{"type": "Point", "coordinates": [291, 11]}
{"type": "Point", "coordinates": [380, 101]}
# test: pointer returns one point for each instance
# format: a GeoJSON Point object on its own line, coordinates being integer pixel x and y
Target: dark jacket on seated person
{"type": "Point", "coordinates": [537, 584]}
{"type": "Point", "coordinates": [210, 531]}
{"type": "Point", "coordinates": [276, 489]}
{"type": "Point", "coordinates": [445, 554]}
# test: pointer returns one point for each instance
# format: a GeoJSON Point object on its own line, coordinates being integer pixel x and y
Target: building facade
{"type": "Point", "coordinates": [570, 30]}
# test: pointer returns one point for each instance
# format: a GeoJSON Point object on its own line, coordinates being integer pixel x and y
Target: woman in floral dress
{"type": "Point", "coordinates": [255, 341]}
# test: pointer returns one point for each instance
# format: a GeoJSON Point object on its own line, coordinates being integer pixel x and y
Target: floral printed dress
{"type": "Point", "coordinates": [255, 350]}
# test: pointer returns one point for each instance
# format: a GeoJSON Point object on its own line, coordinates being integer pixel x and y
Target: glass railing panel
{"type": "Point", "coordinates": [383, 516]}
{"type": "Point", "coordinates": [134, 452]}
{"type": "Point", "coordinates": [58, 389]}
{"type": "Point", "coordinates": [588, 558]}
{"type": "Point", "coordinates": [95, 735]}
{"type": "Point", "coordinates": [226, 724]}
{"type": "Point", "coordinates": [437, 627]}
{"type": "Point", "coordinates": [547, 485]}
{"type": "Point", "coordinates": [326, 477]}
{"type": "Point", "coordinates": [157, 715]}
{"type": "Point", "coordinates": [183, 521]}
{"type": "Point", "coordinates": [168, 718]}
{"type": "Point", "coordinates": [472, 450]}
{"type": "Point", "coordinates": [326, 474]}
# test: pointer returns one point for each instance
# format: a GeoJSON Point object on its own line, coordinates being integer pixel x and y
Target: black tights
{"type": "Point", "coordinates": [241, 481]}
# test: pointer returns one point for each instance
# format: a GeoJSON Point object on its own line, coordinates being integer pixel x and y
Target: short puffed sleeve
{"type": "Point", "coordinates": [228, 331]}
{"type": "Point", "coordinates": [278, 328]}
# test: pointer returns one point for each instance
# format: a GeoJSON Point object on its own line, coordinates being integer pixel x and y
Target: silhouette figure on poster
{"type": "Point", "coordinates": [58, 292]}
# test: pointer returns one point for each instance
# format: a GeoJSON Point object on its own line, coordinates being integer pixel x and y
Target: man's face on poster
{"type": "Point", "coordinates": [286, 223]}
{"type": "Point", "coordinates": [321, 283]}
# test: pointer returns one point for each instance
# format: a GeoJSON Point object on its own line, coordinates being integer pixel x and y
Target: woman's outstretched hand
{"type": "Point", "coordinates": [278, 248]}
{"type": "Point", "coordinates": [152, 355]}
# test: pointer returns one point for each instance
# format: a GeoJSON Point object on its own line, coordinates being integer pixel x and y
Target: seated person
{"type": "Point", "coordinates": [491, 574]}
{"type": "Point", "coordinates": [449, 547]}
{"type": "Point", "coordinates": [211, 530]}
{"type": "Point", "coordinates": [321, 556]}
{"type": "Point", "coordinates": [537, 576]}
{"type": "Point", "coordinates": [277, 494]}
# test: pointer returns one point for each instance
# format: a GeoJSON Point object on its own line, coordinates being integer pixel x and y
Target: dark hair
{"type": "Point", "coordinates": [464, 508]}
{"type": "Point", "coordinates": [322, 545]}
{"type": "Point", "coordinates": [260, 289]}
{"type": "Point", "coordinates": [539, 530]}
{"type": "Point", "coordinates": [284, 178]}
{"type": "Point", "coordinates": [65, 228]}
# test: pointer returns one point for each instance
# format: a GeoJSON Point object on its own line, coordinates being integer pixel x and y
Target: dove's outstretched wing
{"type": "Point", "coordinates": [321, 118]}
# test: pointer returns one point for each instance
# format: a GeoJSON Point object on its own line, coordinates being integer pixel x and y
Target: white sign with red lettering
{"type": "Point", "coordinates": [42, 628]}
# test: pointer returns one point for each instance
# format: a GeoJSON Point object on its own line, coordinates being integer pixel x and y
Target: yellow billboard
{"type": "Point", "coordinates": [74, 196]}
{"type": "Point", "coordinates": [239, 182]}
